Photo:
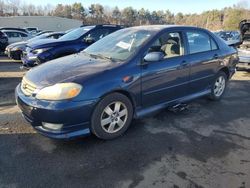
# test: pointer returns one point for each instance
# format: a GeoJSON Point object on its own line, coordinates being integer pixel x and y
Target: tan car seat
{"type": "Point", "coordinates": [171, 48]}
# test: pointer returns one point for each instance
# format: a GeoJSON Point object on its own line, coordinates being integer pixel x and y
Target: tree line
{"type": "Point", "coordinates": [227, 18]}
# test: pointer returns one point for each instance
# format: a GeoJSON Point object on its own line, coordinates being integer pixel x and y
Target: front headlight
{"type": "Point", "coordinates": [41, 50]}
{"type": "Point", "coordinates": [59, 91]}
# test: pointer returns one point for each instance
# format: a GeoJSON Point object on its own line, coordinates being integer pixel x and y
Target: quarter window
{"type": "Point", "coordinates": [213, 44]}
{"type": "Point", "coordinates": [23, 35]}
{"type": "Point", "coordinates": [200, 42]}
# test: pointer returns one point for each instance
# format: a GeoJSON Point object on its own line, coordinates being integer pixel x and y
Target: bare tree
{"type": "Point", "coordinates": [14, 6]}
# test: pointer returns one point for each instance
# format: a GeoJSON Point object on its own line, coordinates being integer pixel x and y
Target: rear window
{"type": "Point", "coordinates": [76, 33]}
{"type": "Point", "coordinates": [199, 41]}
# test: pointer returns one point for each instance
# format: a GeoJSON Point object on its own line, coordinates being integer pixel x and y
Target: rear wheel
{"type": "Point", "coordinates": [112, 116]}
{"type": "Point", "coordinates": [219, 86]}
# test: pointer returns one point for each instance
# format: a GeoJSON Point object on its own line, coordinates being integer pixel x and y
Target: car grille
{"type": "Point", "coordinates": [27, 87]}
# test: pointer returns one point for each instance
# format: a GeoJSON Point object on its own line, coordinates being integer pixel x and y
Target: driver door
{"type": "Point", "coordinates": [167, 79]}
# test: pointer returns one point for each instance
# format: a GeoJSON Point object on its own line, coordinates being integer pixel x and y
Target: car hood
{"type": "Point", "coordinates": [16, 44]}
{"type": "Point", "coordinates": [67, 69]}
{"type": "Point", "coordinates": [44, 43]}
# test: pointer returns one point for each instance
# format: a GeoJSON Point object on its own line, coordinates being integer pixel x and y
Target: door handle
{"type": "Point", "coordinates": [184, 63]}
{"type": "Point", "coordinates": [216, 56]}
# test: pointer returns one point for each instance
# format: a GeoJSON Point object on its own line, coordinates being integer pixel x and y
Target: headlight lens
{"type": "Point", "coordinates": [59, 91]}
{"type": "Point", "coordinates": [41, 50]}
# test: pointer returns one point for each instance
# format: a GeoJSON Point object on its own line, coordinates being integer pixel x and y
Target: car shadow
{"type": "Point", "coordinates": [7, 90]}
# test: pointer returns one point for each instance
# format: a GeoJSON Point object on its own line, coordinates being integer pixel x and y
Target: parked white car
{"type": "Point", "coordinates": [16, 36]}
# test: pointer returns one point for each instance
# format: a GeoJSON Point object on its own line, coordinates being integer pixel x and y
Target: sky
{"type": "Point", "coordinates": [175, 6]}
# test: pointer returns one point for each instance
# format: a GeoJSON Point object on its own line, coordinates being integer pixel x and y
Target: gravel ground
{"type": "Point", "coordinates": [207, 145]}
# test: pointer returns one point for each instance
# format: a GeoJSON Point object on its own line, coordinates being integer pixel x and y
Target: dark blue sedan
{"type": "Point", "coordinates": [41, 51]}
{"type": "Point", "coordinates": [128, 74]}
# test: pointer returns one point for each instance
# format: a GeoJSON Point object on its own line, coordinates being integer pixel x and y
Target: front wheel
{"type": "Point", "coordinates": [218, 86]}
{"type": "Point", "coordinates": [112, 116]}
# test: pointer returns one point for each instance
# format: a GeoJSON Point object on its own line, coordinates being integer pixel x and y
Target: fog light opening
{"type": "Point", "coordinates": [52, 126]}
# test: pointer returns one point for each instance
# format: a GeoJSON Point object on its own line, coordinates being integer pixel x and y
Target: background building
{"type": "Point", "coordinates": [41, 22]}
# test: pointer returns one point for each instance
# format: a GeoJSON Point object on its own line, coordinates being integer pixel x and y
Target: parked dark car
{"type": "Point", "coordinates": [231, 38]}
{"type": "Point", "coordinates": [14, 51]}
{"type": "Point", "coordinates": [244, 48]}
{"type": "Point", "coordinates": [128, 74]}
{"type": "Point", "coordinates": [3, 41]}
{"type": "Point", "coordinates": [75, 41]}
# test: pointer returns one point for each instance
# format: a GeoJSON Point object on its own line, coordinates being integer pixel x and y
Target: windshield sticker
{"type": "Point", "coordinates": [123, 45]}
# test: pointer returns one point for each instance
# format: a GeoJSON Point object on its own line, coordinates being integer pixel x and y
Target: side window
{"type": "Point", "coordinates": [8, 34]}
{"type": "Point", "coordinates": [213, 44]}
{"type": "Point", "coordinates": [170, 44]}
{"type": "Point", "coordinates": [97, 34]}
{"type": "Point", "coordinates": [23, 35]}
{"type": "Point", "coordinates": [14, 34]}
{"type": "Point", "coordinates": [200, 42]}
{"type": "Point", "coordinates": [55, 36]}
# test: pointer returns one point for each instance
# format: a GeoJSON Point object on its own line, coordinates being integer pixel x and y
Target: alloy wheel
{"type": "Point", "coordinates": [219, 86]}
{"type": "Point", "coordinates": [114, 117]}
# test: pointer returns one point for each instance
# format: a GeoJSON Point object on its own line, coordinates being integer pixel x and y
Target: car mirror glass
{"type": "Point", "coordinates": [154, 56]}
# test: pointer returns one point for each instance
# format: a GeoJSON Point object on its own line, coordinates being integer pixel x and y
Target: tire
{"type": "Point", "coordinates": [108, 120]}
{"type": "Point", "coordinates": [219, 86]}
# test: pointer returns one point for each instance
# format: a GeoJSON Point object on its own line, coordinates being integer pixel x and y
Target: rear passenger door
{"type": "Point", "coordinates": [203, 57]}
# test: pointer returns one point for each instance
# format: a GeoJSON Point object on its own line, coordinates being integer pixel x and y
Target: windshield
{"type": "Point", "coordinates": [76, 33]}
{"type": "Point", "coordinates": [120, 45]}
{"type": "Point", "coordinates": [43, 36]}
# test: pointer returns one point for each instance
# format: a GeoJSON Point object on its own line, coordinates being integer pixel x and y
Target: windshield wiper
{"type": "Point", "coordinates": [99, 56]}
{"type": "Point", "coordinates": [105, 57]}
{"type": "Point", "coordinates": [102, 57]}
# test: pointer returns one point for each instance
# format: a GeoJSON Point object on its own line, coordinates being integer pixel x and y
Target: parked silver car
{"type": "Point", "coordinates": [16, 36]}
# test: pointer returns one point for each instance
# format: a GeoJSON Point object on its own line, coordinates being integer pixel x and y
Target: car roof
{"type": "Point", "coordinates": [162, 27]}
{"type": "Point", "coordinates": [53, 33]}
{"type": "Point", "coordinates": [13, 28]}
{"type": "Point", "coordinates": [17, 31]}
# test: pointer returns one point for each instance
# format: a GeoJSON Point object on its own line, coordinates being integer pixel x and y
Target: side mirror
{"type": "Point", "coordinates": [89, 40]}
{"type": "Point", "coordinates": [154, 56]}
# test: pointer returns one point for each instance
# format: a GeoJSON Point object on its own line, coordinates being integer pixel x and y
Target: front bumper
{"type": "Point", "coordinates": [30, 59]}
{"type": "Point", "coordinates": [16, 55]}
{"type": "Point", "coordinates": [75, 116]}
